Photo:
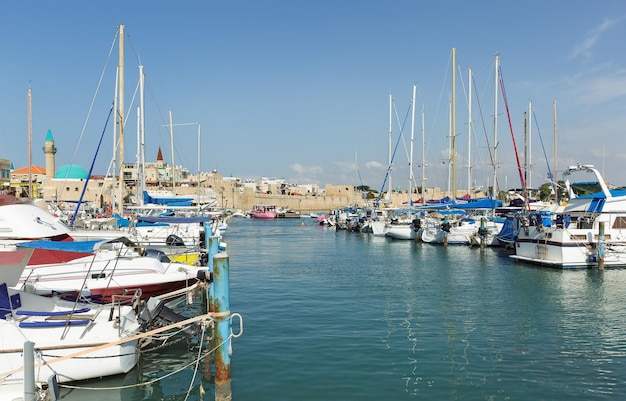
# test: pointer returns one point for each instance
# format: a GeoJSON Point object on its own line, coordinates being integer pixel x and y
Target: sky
{"type": "Point", "coordinates": [300, 90]}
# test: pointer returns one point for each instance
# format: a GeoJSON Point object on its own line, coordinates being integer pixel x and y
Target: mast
{"type": "Point", "coordinates": [199, 171]}
{"type": "Point", "coordinates": [172, 150]}
{"type": "Point", "coordinates": [495, 126]}
{"type": "Point", "coordinates": [390, 186]}
{"type": "Point", "coordinates": [423, 161]}
{"type": "Point", "coordinates": [449, 161]}
{"type": "Point", "coordinates": [469, 132]}
{"type": "Point", "coordinates": [356, 178]}
{"type": "Point", "coordinates": [30, 142]}
{"type": "Point", "coordinates": [138, 158]}
{"type": "Point", "coordinates": [453, 122]}
{"type": "Point", "coordinates": [411, 154]}
{"type": "Point", "coordinates": [525, 189]}
{"type": "Point", "coordinates": [141, 141]}
{"type": "Point", "coordinates": [114, 161]}
{"type": "Point", "coordinates": [556, 182]}
{"type": "Point", "coordinates": [122, 122]}
{"type": "Point", "coordinates": [530, 144]}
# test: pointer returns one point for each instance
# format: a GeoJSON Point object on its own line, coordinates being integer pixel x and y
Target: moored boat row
{"type": "Point", "coordinates": [588, 230]}
{"type": "Point", "coordinates": [80, 301]}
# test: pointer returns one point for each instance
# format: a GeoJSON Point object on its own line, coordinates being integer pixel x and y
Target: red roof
{"type": "Point", "coordinates": [160, 155]}
{"type": "Point", "coordinates": [24, 170]}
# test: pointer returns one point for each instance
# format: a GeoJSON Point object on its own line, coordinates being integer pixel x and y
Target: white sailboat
{"type": "Point", "coordinates": [405, 229]}
{"type": "Point", "coordinates": [59, 329]}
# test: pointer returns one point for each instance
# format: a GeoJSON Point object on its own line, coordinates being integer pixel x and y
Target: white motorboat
{"type": "Point", "coordinates": [589, 231]}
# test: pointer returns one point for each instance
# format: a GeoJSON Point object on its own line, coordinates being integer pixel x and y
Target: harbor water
{"type": "Point", "coordinates": [335, 315]}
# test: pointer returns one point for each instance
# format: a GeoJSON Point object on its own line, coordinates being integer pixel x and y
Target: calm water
{"type": "Point", "coordinates": [344, 316]}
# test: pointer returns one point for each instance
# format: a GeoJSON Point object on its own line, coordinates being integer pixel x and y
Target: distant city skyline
{"type": "Point", "coordinates": [301, 90]}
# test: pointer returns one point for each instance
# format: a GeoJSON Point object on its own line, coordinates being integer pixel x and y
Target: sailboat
{"type": "Point", "coordinates": [406, 228]}
{"type": "Point", "coordinates": [59, 329]}
{"type": "Point", "coordinates": [105, 268]}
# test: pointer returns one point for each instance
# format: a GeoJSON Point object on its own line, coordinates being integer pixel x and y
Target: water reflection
{"type": "Point", "coordinates": [150, 380]}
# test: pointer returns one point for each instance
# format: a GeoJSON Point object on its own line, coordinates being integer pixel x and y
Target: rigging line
{"type": "Point", "coordinates": [93, 100]}
{"type": "Point", "coordinates": [519, 166]}
{"type": "Point", "coordinates": [482, 120]}
{"type": "Point", "coordinates": [155, 380]}
{"type": "Point", "coordinates": [132, 101]}
{"type": "Point", "coordinates": [393, 154]}
{"type": "Point", "coordinates": [439, 101]}
{"type": "Point", "coordinates": [93, 161]}
{"type": "Point", "coordinates": [475, 143]}
{"type": "Point", "coordinates": [550, 174]}
{"type": "Point", "coordinates": [195, 370]}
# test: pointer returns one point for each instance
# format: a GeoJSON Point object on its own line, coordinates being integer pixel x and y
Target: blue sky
{"type": "Point", "coordinates": [300, 89]}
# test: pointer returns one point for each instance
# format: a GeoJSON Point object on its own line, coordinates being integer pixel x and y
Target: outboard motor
{"type": "Point", "coordinates": [174, 240]}
{"type": "Point", "coordinates": [155, 314]}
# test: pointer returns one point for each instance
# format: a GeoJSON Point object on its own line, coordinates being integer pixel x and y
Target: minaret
{"type": "Point", "coordinates": [49, 150]}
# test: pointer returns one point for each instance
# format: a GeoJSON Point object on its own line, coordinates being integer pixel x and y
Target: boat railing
{"type": "Point", "coordinates": [117, 300]}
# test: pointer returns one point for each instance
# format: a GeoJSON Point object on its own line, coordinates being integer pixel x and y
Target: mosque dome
{"type": "Point", "coordinates": [71, 171]}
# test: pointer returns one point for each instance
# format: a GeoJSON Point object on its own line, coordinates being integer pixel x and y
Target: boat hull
{"type": "Point", "coordinates": [400, 231]}
{"type": "Point", "coordinates": [569, 248]}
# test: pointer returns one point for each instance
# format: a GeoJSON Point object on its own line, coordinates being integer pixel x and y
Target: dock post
{"type": "Point", "coordinates": [601, 245]}
{"type": "Point", "coordinates": [213, 248]}
{"type": "Point", "coordinates": [30, 391]}
{"type": "Point", "coordinates": [482, 232]}
{"type": "Point", "coordinates": [220, 306]}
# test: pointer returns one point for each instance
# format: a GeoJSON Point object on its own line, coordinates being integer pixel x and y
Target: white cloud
{"type": "Point", "coordinates": [308, 170]}
{"type": "Point", "coordinates": [584, 49]}
{"type": "Point", "coordinates": [375, 165]}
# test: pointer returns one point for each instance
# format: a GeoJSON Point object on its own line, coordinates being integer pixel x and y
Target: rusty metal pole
{"type": "Point", "coordinates": [220, 305]}
{"type": "Point", "coordinates": [212, 247]}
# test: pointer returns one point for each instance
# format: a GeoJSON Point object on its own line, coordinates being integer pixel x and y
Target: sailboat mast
{"type": "Point", "coordinates": [141, 145]}
{"type": "Point", "coordinates": [411, 154]}
{"type": "Point", "coordinates": [556, 182]}
{"type": "Point", "coordinates": [356, 178]}
{"type": "Point", "coordinates": [172, 151]}
{"type": "Point", "coordinates": [198, 202]}
{"type": "Point", "coordinates": [449, 161]}
{"type": "Point", "coordinates": [530, 145]}
{"type": "Point", "coordinates": [469, 132]}
{"type": "Point", "coordinates": [423, 161]}
{"type": "Point", "coordinates": [525, 189]}
{"type": "Point", "coordinates": [114, 162]}
{"type": "Point", "coordinates": [138, 158]}
{"type": "Point", "coordinates": [122, 120]}
{"type": "Point", "coordinates": [495, 126]}
{"type": "Point", "coordinates": [390, 186]}
{"type": "Point", "coordinates": [30, 142]}
{"type": "Point", "coordinates": [453, 123]}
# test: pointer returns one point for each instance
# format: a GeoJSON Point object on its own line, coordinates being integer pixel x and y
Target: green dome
{"type": "Point", "coordinates": [72, 171]}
